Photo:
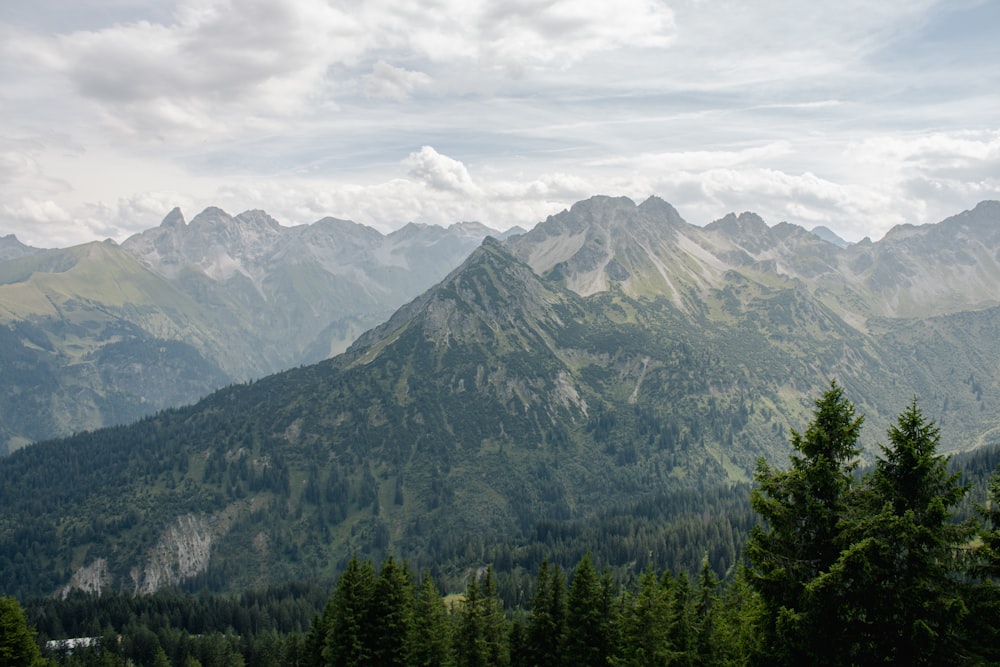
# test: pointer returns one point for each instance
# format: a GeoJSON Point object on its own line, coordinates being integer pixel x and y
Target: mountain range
{"type": "Point", "coordinates": [611, 354]}
{"type": "Point", "coordinates": [102, 334]}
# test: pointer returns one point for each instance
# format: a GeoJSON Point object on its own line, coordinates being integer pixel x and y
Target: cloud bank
{"type": "Point", "coordinates": [846, 114]}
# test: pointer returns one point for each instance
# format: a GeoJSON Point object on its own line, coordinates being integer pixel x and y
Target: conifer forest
{"type": "Point", "coordinates": [896, 563]}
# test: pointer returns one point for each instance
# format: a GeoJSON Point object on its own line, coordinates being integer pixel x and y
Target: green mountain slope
{"type": "Point", "coordinates": [496, 400]}
{"type": "Point", "coordinates": [196, 306]}
{"type": "Point", "coordinates": [90, 337]}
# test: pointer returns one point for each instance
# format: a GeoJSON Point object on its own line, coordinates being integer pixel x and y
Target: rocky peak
{"type": "Point", "coordinates": [661, 210]}
{"type": "Point", "coordinates": [747, 230]}
{"type": "Point", "coordinates": [11, 248]}
{"type": "Point", "coordinates": [829, 236]}
{"type": "Point", "coordinates": [173, 219]}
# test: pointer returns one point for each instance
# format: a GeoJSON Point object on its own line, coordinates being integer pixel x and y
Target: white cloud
{"type": "Point", "coordinates": [843, 113]}
{"type": "Point", "coordinates": [394, 83]}
{"type": "Point", "coordinates": [440, 172]}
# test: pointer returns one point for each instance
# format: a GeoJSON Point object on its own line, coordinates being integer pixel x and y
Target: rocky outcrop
{"type": "Point", "coordinates": [182, 551]}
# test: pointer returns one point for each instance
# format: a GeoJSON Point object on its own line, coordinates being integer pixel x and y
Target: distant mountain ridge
{"type": "Point", "coordinates": [612, 353]}
{"type": "Point", "coordinates": [11, 248]}
{"type": "Point", "coordinates": [235, 297]}
{"type": "Point", "coordinates": [913, 272]}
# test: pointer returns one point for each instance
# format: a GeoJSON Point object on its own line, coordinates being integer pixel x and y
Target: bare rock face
{"type": "Point", "coordinates": [182, 552]}
{"type": "Point", "coordinates": [92, 578]}
{"type": "Point", "coordinates": [11, 248]}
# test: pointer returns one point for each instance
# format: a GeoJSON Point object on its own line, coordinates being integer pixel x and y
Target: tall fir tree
{"type": "Point", "coordinates": [349, 639]}
{"type": "Point", "coordinates": [984, 599]}
{"type": "Point", "coordinates": [17, 640]}
{"type": "Point", "coordinates": [706, 609]}
{"type": "Point", "coordinates": [799, 538]}
{"type": "Point", "coordinates": [645, 621]}
{"type": "Point", "coordinates": [482, 632]}
{"type": "Point", "coordinates": [588, 617]}
{"type": "Point", "coordinates": [547, 626]}
{"type": "Point", "coordinates": [896, 593]}
{"type": "Point", "coordinates": [429, 640]}
{"type": "Point", "coordinates": [391, 614]}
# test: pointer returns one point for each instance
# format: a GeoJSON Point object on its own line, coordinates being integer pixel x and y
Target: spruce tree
{"type": "Point", "coordinates": [547, 626]}
{"type": "Point", "coordinates": [896, 592]}
{"type": "Point", "coordinates": [429, 639]}
{"type": "Point", "coordinates": [799, 539]}
{"type": "Point", "coordinates": [391, 614]}
{"type": "Point", "coordinates": [470, 629]}
{"type": "Point", "coordinates": [588, 618]}
{"type": "Point", "coordinates": [984, 600]}
{"type": "Point", "coordinates": [645, 623]}
{"type": "Point", "coordinates": [349, 640]}
{"type": "Point", "coordinates": [706, 609]}
{"type": "Point", "coordinates": [482, 632]}
{"type": "Point", "coordinates": [17, 640]}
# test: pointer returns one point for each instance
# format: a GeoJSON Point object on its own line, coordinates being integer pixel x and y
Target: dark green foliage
{"type": "Point", "coordinates": [17, 640]}
{"type": "Point", "coordinates": [799, 539]}
{"type": "Point", "coordinates": [646, 618]}
{"type": "Point", "coordinates": [988, 554]}
{"type": "Point", "coordinates": [350, 639]}
{"type": "Point", "coordinates": [429, 642]}
{"type": "Point", "coordinates": [482, 629]}
{"type": "Point", "coordinates": [589, 617]}
{"type": "Point", "coordinates": [901, 548]}
{"type": "Point", "coordinates": [391, 614]}
{"type": "Point", "coordinates": [547, 626]}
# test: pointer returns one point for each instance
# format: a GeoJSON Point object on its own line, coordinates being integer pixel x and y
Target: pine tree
{"type": "Point", "coordinates": [482, 632]}
{"type": "Point", "coordinates": [497, 630]}
{"type": "Point", "coordinates": [547, 626]}
{"type": "Point", "coordinates": [799, 540]}
{"type": "Point", "coordinates": [470, 631]}
{"type": "Point", "coordinates": [17, 640]}
{"type": "Point", "coordinates": [349, 642]}
{"type": "Point", "coordinates": [391, 615]}
{"type": "Point", "coordinates": [988, 554]}
{"type": "Point", "coordinates": [740, 613]}
{"type": "Point", "coordinates": [983, 628]}
{"type": "Point", "coordinates": [684, 630]}
{"type": "Point", "coordinates": [429, 642]}
{"type": "Point", "coordinates": [895, 590]}
{"type": "Point", "coordinates": [588, 618]}
{"type": "Point", "coordinates": [645, 623]}
{"type": "Point", "coordinates": [706, 609]}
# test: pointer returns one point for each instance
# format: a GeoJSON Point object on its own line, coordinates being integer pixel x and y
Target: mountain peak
{"type": "Point", "coordinates": [12, 248]}
{"type": "Point", "coordinates": [658, 207]}
{"type": "Point", "coordinates": [173, 219]}
{"type": "Point", "coordinates": [829, 236]}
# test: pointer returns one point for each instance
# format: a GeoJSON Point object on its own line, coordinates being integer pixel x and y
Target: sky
{"type": "Point", "coordinates": [853, 114]}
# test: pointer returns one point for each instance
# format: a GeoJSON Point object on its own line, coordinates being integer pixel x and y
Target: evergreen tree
{"type": "Point", "coordinates": [645, 623]}
{"type": "Point", "coordinates": [470, 632]}
{"type": "Point", "coordinates": [984, 599]}
{"type": "Point", "coordinates": [17, 640]}
{"type": "Point", "coordinates": [481, 636]}
{"type": "Point", "coordinates": [429, 639]}
{"type": "Point", "coordinates": [735, 637]}
{"type": "Point", "coordinates": [349, 641]}
{"type": "Point", "coordinates": [895, 591]}
{"type": "Point", "coordinates": [391, 615]}
{"type": "Point", "coordinates": [588, 618]}
{"type": "Point", "coordinates": [497, 630]}
{"type": "Point", "coordinates": [706, 609]}
{"type": "Point", "coordinates": [547, 626]}
{"type": "Point", "coordinates": [684, 630]}
{"type": "Point", "coordinates": [798, 540]}
{"type": "Point", "coordinates": [988, 554]}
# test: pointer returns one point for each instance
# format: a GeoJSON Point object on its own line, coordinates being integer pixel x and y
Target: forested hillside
{"type": "Point", "coordinates": [496, 405]}
{"type": "Point", "coordinates": [920, 535]}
